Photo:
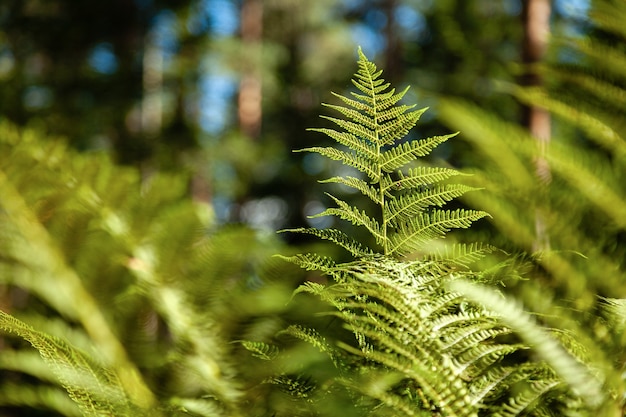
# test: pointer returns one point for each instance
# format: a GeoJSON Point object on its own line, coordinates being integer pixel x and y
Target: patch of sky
{"type": "Point", "coordinates": [375, 18]}
{"type": "Point", "coordinates": [512, 7]}
{"type": "Point", "coordinates": [575, 14]}
{"type": "Point", "coordinates": [220, 17]}
{"type": "Point", "coordinates": [102, 59]}
{"type": "Point", "coordinates": [412, 22]}
{"type": "Point", "coordinates": [573, 9]}
{"type": "Point", "coordinates": [217, 90]}
{"type": "Point", "coordinates": [224, 16]}
{"type": "Point", "coordinates": [165, 33]}
{"type": "Point", "coordinates": [371, 41]}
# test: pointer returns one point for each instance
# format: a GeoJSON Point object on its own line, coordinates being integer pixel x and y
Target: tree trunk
{"type": "Point", "coordinates": [536, 23]}
{"type": "Point", "coordinates": [392, 50]}
{"type": "Point", "coordinates": [249, 100]}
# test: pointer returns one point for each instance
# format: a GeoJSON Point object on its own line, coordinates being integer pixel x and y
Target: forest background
{"type": "Point", "coordinates": [216, 94]}
{"type": "Point", "coordinates": [190, 85]}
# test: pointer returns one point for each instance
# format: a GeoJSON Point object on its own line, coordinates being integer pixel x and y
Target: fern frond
{"type": "Point", "coordinates": [414, 233]}
{"type": "Point", "coordinates": [311, 288]}
{"type": "Point", "coordinates": [490, 383]}
{"type": "Point", "coordinates": [351, 140]}
{"type": "Point", "coordinates": [348, 158]}
{"type": "Point", "coordinates": [472, 332]}
{"type": "Point", "coordinates": [399, 156]}
{"type": "Point", "coordinates": [356, 183]}
{"type": "Point", "coordinates": [372, 126]}
{"type": "Point", "coordinates": [461, 255]}
{"type": "Point", "coordinates": [417, 178]}
{"type": "Point", "coordinates": [582, 381]}
{"type": "Point", "coordinates": [96, 390]}
{"type": "Point", "coordinates": [474, 361]}
{"type": "Point", "coordinates": [380, 386]}
{"type": "Point", "coordinates": [615, 312]}
{"type": "Point", "coordinates": [355, 216]}
{"type": "Point", "coordinates": [261, 350]}
{"type": "Point", "coordinates": [363, 126]}
{"type": "Point", "coordinates": [296, 386]}
{"type": "Point", "coordinates": [396, 129]}
{"type": "Point", "coordinates": [404, 208]}
{"type": "Point", "coordinates": [310, 336]}
{"type": "Point", "coordinates": [311, 262]}
{"type": "Point", "coordinates": [522, 402]}
{"type": "Point", "coordinates": [338, 237]}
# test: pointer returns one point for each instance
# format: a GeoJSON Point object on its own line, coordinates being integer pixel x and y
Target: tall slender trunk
{"type": "Point", "coordinates": [151, 106]}
{"type": "Point", "coordinates": [536, 23]}
{"type": "Point", "coordinates": [392, 50]}
{"type": "Point", "coordinates": [249, 99]}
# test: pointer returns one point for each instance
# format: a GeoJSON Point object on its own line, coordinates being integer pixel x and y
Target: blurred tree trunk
{"type": "Point", "coordinates": [536, 24]}
{"type": "Point", "coordinates": [249, 100]}
{"type": "Point", "coordinates": [151, 106]}
{"type": "Point", "coordinates": [392, 51]}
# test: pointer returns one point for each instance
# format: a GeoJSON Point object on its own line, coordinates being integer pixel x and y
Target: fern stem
{"type": "Point", "coordinates": [379, 173]}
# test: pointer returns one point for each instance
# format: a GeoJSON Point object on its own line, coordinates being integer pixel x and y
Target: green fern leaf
{"type": "Point", "coordinates": [350, 140]}
{"type": "Point", "coordinates": [399, 156]}
{"type": "Point", "coordinates": [357, 184]}
{"type": "Point", "coordinates": [347, 158]}
{"type": "Point", "coordinates": [426, 227]}
{"type": "Point", "coordinates": [522, 402]}
{"type": "Point", "coordinates": [311, 262]}
{"type": "Point", "coordinates": [308, 335]}
{"type": "Point", "coordinates": [261, 350]}
{"type": "Point", "coordinates": [460, 254]}
{"type": "Point", "coordinates": [96, 390]}
{"type": "Point", "coordinates": [581, 379]}
{"type": "Point", "coordinates": [372, 126]}
{"type": "Point", "coordinates": [338, 237]}
{"type": "Point", "coordinates": [404, 208]}
{"type": "Point", "coordinates": [417, 178]}
{"type": "Point", "coordinates": [354, 216]}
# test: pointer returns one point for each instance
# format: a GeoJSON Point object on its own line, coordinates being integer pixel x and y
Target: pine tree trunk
{"type": "Point", "coordinates": [536, 23]}
{"type": "Point", "coordinates": [392, 50]}
{"type": "Point", "coordinates": [249, 100]}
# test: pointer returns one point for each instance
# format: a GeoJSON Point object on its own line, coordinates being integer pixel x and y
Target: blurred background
{"type": "Point", "coordinates": [157, 221]}
{"type": "Point", "coordinates": [225, 89]}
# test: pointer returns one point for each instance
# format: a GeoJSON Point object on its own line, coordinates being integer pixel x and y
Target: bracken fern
{"type": "Point", "coordinates": [425, 342]}
{"type": "Point", "coordinates": [409, 198]}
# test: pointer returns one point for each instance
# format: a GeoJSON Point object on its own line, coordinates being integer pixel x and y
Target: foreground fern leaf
{"type": "Point", "coordinates": [422, 345]}
{"type": "Point", "coordinates": [96, 390]}
{"type": "Point", "coordinates": [409, 198]}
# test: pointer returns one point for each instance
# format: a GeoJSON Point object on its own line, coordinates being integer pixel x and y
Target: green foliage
{"type": "Point", "coordinates": [578, 284]}
{"type": "Point", "coordinates": [97, 391]}
{"type": "Point", "coordinates": [583, 203]}
{"type": "Point", "coordinates": [124, 287]}
{"type": "Point", "coordinates": [427, 339]}
{"type": "Point", "coordinates": [408, 198]}
{"type": "Point", "coordinates": [138, 305]}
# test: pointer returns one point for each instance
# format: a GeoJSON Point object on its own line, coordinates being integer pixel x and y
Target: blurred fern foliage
{"type": "Point", "coordinates": [431, 331]}
{"type": "Point", "coordinates": [582, 204]}
{"type": "Point", "coordinates": [120, 296]}
{"type": "Point", "coordinates": [126, 289]}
